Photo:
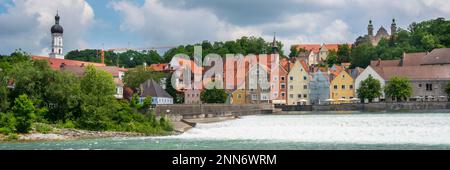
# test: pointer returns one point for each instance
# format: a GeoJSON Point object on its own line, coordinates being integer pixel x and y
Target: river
{"type": "Point", "coordinates": [291, 132]}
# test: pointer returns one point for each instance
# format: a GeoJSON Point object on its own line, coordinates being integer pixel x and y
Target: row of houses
{"type": "Point", "coordinates": [303, 83]}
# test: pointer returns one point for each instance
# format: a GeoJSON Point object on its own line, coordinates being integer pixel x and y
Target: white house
{"type": "Point", "coordinates": [370, 71]}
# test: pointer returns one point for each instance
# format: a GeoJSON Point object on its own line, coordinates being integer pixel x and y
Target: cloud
{"type": "Point", "coordinates": [26, 24]}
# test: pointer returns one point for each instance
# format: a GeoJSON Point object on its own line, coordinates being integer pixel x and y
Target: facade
{"type": "Point", "coordinates": [192, 96]}
{"type": "Point", "coordinates": [57, 39]}
{"type": "Point", "coordinates": [284, 68]}
{"type": "Point", "coordinates": [369, 71]}
{"type": "Point", "coordinates": [298, 84]}
{"type": "Point", "coordinates": [317, 53]}
{"type": "Point", "coordinates": [342, 87]}
{"type": "Point", "coordinates": [319, 90]}
{"type": "Point", "coordinates": [151, 88]}
{"type": "Point", "coordinates": [239, 96]}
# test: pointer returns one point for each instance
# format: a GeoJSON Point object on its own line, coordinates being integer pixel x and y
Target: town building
{"type": "Point", "coordinates": [282, 82]}
{"type": "Point", "coordinates": [342, 87]}
{"type": "Point", "coordinates": [319, 90]}
{"type": "Point", "coordinates": [151, 88]}
{"type": "Point", "coordinates": [316, 53]}
{"type": "Point", "coordinates": [192, 96]}
{"type": "Point", "coordinates": [298, 84]}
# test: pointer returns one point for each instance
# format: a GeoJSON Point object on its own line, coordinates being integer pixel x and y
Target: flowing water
{"type": "Point", "coordinates": [267, 132]}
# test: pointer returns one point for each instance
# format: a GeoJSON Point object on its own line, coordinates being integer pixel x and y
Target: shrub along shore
{"type": "Point", "coordinates": [36, 99]}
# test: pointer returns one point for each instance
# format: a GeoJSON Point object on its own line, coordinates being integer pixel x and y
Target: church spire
{"type": "Point", "coordinates": [274, 44]}
{"type": "Point", "coordinates": [370, 28]}
{"type": "Point", "coordinates": [393, 27]}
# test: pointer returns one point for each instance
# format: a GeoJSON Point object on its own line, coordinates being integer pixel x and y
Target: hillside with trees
{"type": "Point", "coordinates": [418, 37]}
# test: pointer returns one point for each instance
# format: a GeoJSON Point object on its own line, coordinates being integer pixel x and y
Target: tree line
{"type": "Point", "coordinates": [32, 93]}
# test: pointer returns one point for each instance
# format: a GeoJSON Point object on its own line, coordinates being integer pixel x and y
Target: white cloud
{"type": "Point", "coordinates": [160, 25]}
{"type": "Point", "coordinates": [26, 24]}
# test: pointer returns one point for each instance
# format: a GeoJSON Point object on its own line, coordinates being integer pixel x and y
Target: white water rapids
{"type": "Point", "coordinates": [428, 129]}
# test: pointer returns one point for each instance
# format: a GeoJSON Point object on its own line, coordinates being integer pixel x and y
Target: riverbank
{"type": "Point", "coordinates": [76, 134]}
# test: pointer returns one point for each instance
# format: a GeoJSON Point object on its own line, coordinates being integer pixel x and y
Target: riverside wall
{"type": "Point", "coordinates": [385, 106]}
{"type": "Point", "coordinates": [178, 112]}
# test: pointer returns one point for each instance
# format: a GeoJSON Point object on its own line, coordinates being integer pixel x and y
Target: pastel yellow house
{"type": "Point", "coordinates": [298, 84]}
{"type": "Point", "coordinates": [342, 87]}
{"type": "Point", "coordinates": [239, 96]}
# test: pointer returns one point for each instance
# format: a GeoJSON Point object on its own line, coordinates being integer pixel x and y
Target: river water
{"type": "Point", "coordinates": [291, 132]}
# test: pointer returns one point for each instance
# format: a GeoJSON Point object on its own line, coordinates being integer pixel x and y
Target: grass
{"type": "Point", "coordinates": [43, 128]}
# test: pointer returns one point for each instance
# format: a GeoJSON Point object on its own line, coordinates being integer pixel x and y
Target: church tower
{"type": "Point", "coordinates": [274, 45]}
{"type": "Point", "coordinates": [393, 28]}
{"type": "Point", "coordinates": [370, 28]}
{"type": "Point", "coordinates": [57, 39]}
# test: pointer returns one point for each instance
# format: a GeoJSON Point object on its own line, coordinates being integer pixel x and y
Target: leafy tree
{"type": "Point", "coordinates": [62, 96]}
{"type": "Point", "coordinates": [135, 101]}
{"type": "Point", "coordinates": [343, 53]}
{"type": "Point", "coordinates": [136, 76]}
{"type": "Point", "coordinates": [178, 97]}
{"type": "Point", "coordinates": [332, 59]}
{"type": "Point", "coordinates": [398, 88]}
{"type": "Point", "coordinates": [370, 89]}
{"type": "Point", "coordinates": [362, 55]}
{"type": "Point", "coordinates": [4, 102]}
{"type": "Point", "coordinates": [23, 110]}
{"type": "Point", "coordinates": [7, 123]}
{"type": "Point", "coordinates": [213, 96]}
{"type": "Point", "coordinates": [148, 102]}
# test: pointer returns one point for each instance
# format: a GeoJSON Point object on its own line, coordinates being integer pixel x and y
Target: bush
{"type": "Point", "coordinates": [67, 125]}
{"type": "Point", "coordinates": [165, 124]}
{"type": "Point", "coordinates": [43, 128]}
{"type": "Point", "coordinates": [24, 112]}
{"type": "Point", "coordinates": [7, 123]}
{"type": "Point", "coordinates": [12, 137]}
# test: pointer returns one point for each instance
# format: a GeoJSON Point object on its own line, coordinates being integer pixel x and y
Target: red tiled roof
{"type": "Point", "coordinates": [413, 59]}
{"type": "Point", "coordinates": [316, 47]}
{"type": "Point", "coordinates": [56, 63]}
{"type": "Point", "coordinates": [385, 63]}
{"type": "Point", "coordinates": [159, 67]}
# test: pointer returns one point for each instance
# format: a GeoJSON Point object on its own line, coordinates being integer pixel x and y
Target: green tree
{"type": "Point", "coordinates": [213, 96]}
{"type": "Point", "coordinates": [147, 102]}
{"type": "Point", "coordinates": [343, 53]}
{"type": "Point", "coordinates": [369, 89]}
{"type": "Point", "coordinates": [136, 76]}
{"type": "Point", "coordinates": [398, 88]}
{"type": "Point", "coordinates": [294, 52]}
{"type": "Point", "coordinates": [23, 110]}
{"type": "Point", "coordinates": [362, 55]}
{"type": "Point", "coordinates": [332, 59]}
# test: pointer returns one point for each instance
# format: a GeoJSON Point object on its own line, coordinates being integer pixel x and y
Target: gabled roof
{"type": "Point", "coordinates": [385, 63]}
{"type": "Point", "coordinates": [415, 72]}
{"type": "Point", "coordinates": [437, 56]}
{"type": "Point", "coordinates": [413, 59]}
{"type": "Point", "coordinates": [153, 89]}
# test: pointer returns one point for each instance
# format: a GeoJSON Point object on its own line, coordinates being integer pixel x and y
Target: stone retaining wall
{"type": "Point", "coordinates": [185, 111]}
{"type": "Point", "coordinates": [371, 106]}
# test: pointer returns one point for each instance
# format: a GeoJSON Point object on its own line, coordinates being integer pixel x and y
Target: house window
{"type": "Point", "coordinates": [239, 96]}
{"type": "Point", "coordinates": [304, 77]}
{"type": "Point", "coordinates": [283, 86]}
{"type": "Point", "coordinates": [305, 96]}
{"type": "Point", "coordinates": [291, 96]}
{"type": "Point", "coordinates": [351, 87]}
{"type": "Point", "coordinates": [343, 87]}
{"type": "Point", "coordinates": [299, 96]}
{"type": "Point", "coordinates": [429, 87]}
{"type": "Point", "coordinates": [282, 78]}
{"type": "Point", "coordinates": [275, 94]}
{"type": "Point", "coordinates": [275, 78]}
{"type": "Point", "coordinates": [291, 87]}
{"type": "Point", "coordinates": [335, 87]}
{"type": "Point", "coordinates": [283, 94]}
{"type": "Point", "coordinates": [420, 85]}
{"type": "Point", "coordinates": [305, 86]}
{"type": "Point", "coordinates": [291, 78]}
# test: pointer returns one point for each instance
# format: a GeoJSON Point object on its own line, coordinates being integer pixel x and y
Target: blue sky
{"type": "Point", "coordinates": [148, 23]}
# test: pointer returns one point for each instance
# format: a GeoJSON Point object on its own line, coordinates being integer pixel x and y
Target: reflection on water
{"type": "Point", "coordinates": [329, 131]}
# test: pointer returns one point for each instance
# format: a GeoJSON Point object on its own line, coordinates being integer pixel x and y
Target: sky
{"type": "Point", "coordinates": [94, 24]}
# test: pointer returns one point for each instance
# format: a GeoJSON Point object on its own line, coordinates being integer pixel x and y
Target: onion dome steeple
{"type": "Point", "coordinates": [57, 28]}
